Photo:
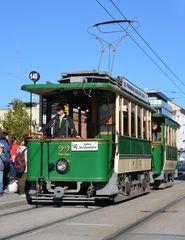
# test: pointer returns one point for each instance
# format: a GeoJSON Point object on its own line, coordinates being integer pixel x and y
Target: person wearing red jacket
{"type": "Point", "coordinates": [13, 152]}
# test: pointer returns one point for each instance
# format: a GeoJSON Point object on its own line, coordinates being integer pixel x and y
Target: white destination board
{"type": "Point", "coordinates": [84, 146]}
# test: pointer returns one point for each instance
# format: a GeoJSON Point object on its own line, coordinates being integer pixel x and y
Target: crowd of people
{"type": "Point", "coordinates": [63, 126]}
{"type": "Point", "coordinates": [9, 174]}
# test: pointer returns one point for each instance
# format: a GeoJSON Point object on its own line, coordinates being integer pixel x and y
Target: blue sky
{"type": "Point", "coordinates": [51, 37]}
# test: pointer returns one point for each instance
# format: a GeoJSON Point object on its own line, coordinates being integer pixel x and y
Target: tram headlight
{"type": "Point", "coordinates": [62, 166]}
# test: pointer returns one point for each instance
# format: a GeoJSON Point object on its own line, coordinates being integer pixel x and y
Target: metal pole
{"type": "Point", "coordinates": [79, 121]}
{"type": "Point", "coordinates": [30, 113]}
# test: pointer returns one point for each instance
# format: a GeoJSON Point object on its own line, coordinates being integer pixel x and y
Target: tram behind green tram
{"type": "Point", "coordinates": [164, 150]}
{"type": "Point", "coordinates": [113, 158]}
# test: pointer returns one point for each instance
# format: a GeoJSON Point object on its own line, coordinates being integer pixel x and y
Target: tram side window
{"type": "Point", "coordinates": [121, 116]}
{"type": "Point", "coordinates": [139, 121]}
{"type": "Point", "coordinates": [167, 134]}
{"type": "Point", "coordinates": [170, 136]}
{"type": "Point", "coordinates": [149, 125]}
{"type": "Point", "coordinates": [106, 118]}
{"type": "Point", "coordinates": [144, 124]}
{"type": "Point", "coordinates": [126, 115]}
{"type": "Point", "coordinates": [174, 138]}
{"type": "Point", "coordinates": [133, 130]}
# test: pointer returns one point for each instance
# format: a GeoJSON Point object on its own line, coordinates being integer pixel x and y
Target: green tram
{"type": "Point", "coordinates": [113, 158]}
{"type": "Point", "coordinates": [164, 150]}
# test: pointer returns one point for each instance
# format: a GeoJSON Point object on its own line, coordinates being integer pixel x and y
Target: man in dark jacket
{"type": "Point", "coordinates": [63, 126]}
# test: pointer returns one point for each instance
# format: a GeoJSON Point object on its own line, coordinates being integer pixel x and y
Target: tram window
{"type": "Point", "coordinates": [170, 136]}
{"type": "Point", "coordinates": [121, 116]}
{"type": "Point", "coordinates": [79, 118]}
{"type": "Point", "coordinates": [167, 134]}
{"type": "Point", "coordinates": [125, 113]}
{"type": "Point", "coordinates": [106, 114]}
{"type": "Point", "coordinates": [133, 130]}
{"type": "Point", "coordinates": [156, 132]}
{"type": "Point", "coordinates": [139, 121]}
{"type": "Point", "coordinates": [144, 123]}
{"type": "Point", "coordinates": [174, 137]}
{"type": "Point", "coordinates": [149, 125]}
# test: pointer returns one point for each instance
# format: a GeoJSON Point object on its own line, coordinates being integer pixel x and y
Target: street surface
{"type": "Point", "coordinates": [95, 222]}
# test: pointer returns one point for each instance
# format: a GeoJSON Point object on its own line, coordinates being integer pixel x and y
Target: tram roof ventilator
{"type": "Point", "coordinates": [89, 77]}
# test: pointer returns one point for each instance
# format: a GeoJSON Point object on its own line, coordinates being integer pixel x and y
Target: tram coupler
{"type": "Point", "coordinates": [59, 191]}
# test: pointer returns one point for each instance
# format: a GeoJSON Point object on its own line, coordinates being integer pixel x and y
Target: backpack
{"type": "Point", "coordinates": [19, 162]}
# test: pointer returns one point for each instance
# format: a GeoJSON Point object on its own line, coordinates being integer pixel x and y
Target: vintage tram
{"type": "Point", "coordinates": [113, 158]}
{"type": "Point", "coordinates": [164, 150]}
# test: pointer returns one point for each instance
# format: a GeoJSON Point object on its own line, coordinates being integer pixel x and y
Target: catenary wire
{"type": "Point", "coordinates": [154, 52]}
{"type": "Point", "coordinates": [157, 65]}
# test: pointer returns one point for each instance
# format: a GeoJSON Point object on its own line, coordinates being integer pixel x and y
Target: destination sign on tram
{"type": "Point", "coordinates": [84, 146]}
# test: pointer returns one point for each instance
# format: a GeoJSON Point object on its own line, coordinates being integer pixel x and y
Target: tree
{"type": "Point", "coordinates": [16, 121]}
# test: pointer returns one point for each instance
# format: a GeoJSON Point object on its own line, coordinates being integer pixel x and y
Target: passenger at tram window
{"type": "Point", "coordinates": [63, 126]}
{"type": "Point", "coordinates": [156, 132]}
{"type": "Point", "coordinates": [106, 118]}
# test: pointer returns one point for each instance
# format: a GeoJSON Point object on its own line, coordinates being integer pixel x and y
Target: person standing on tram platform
{"type": "Point", "coordinates": [63, 126]}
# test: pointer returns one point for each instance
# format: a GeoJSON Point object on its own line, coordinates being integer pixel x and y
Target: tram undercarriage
{"type": "Point", "coordinates": [166, 179]}
{"type": "Point", "coordinates": [119, 188]}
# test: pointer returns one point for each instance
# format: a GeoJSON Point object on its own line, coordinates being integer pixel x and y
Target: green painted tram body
{"type": "Point", "coordinates": [84, 166]}
{"type": "Point", "coordinates": [119, 159]}
{"type": "Point", "coordinates": [164, 152]}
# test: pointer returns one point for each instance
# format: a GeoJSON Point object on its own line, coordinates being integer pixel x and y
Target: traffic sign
{"type": "Point", "coordinates": [34, 76]}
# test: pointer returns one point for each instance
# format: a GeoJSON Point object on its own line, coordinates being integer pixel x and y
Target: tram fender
{"type": "Point", "coordinates": [110, 188]}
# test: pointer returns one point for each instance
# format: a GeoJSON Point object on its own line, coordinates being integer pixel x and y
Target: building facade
{"type": "Point", "coordinates": [178, 114]}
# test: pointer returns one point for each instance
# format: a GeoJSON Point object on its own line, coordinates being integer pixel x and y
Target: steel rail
{"type": "Point", "coordinates": [143, 220]}
{"type": "Point", "coordinates": [45, 226]}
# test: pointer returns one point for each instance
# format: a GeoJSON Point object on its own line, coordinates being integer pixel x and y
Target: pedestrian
{"type": "Point", "coordinates": [21, 175]}
{"type": "Point", "coordinates": [3, 169]}
{"type": "Point", "coordinates": [4, 140]}
{"type": "Point", "coordinates": [1, 173]}
{"type": "Point", "coordinates": [13, 152]}
{"type": "Point", "coordinates": [63, 126]}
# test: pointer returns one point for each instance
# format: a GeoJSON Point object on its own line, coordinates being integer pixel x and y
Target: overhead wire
{"type": "Point", "coordinates": [154, 62]}
{"type": "Point", "coordinates": [154, 52]}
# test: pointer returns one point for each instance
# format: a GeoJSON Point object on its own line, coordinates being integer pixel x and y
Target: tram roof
{"type": "Point", "coordinates": [90, 80]}
{"type": "Point", "coordinates": [168, 121]}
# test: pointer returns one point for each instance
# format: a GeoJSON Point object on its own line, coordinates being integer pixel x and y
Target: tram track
{"type": "Point", "coordinates": [46, 219]}
{"type": "Point", "coordinates": [130, 227]}
{"type": "Point", "coordinates": [13, 211]}
{"type": "Point", "coordinates": [45, 225]}
{"type": "Point", "coordinates": [114, 236]}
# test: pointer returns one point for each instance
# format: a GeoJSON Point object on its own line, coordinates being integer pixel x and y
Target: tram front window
{"type": "Point", "coordinates": [156, 132]}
